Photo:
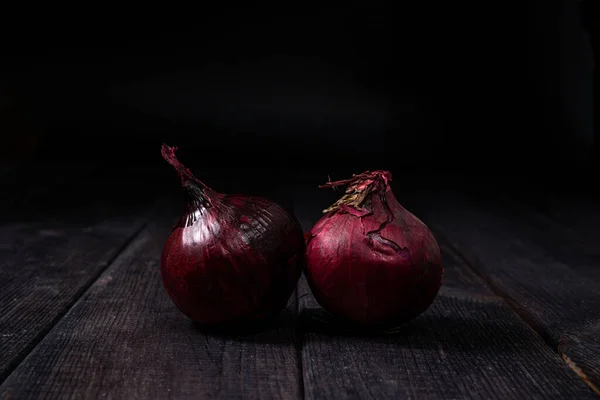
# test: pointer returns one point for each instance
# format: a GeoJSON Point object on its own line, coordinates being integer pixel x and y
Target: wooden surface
{"type": "Point", "coordinates": [83, 313]}
{"type": "Point", "coordinates": [125, 339]}
{"type": "Point", "coordinates": [469, 344]}
{"type": "Point", "coordinates": [576, 216]}
{"type": "Point", "coordinates": [559, 298]}
{"type": "Point", "coordinates": [43, 186]}
{"type": "Point", "coordinates": [45, 266]}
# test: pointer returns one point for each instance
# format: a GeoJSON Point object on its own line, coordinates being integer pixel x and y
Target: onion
{"type": "Point", "coordinates": [369, 260]}
{"type": "Point", "coordinates": [230, 258]}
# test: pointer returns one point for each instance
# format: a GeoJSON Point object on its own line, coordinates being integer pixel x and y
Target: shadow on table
{"type": "Point", "coordinates": [425, 332]}
{"type": "Point", "coordinates": [279, 329]}
{"type": "Point", "coordinates": [497, 330]}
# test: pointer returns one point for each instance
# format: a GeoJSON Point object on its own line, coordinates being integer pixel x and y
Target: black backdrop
{"type": "Point", "coordinates": [482, 89]}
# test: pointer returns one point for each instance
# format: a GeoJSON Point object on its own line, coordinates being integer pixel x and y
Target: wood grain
{"type": "Point", "coordinates": [469, 344]}
{"type": "Point", "coordinates": [125, 339]}
{"type": "Point", "coordinates": [564, 244]}
{"type": "Point", "coordinates": [578, 215]}
{"type": "Point", "coordinates": [59, 232]}
{"type": "Point", "coordinates": [44, 268]}
{"type": "Point", "coordinates": [563, 226]}
{"type": "Point", "coordinates": [557, 295]}
{"type": "Point", "coordinates": [28, 188]}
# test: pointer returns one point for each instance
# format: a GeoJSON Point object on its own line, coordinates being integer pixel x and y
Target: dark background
{"type": "Point", "coordinates": [273, 94]}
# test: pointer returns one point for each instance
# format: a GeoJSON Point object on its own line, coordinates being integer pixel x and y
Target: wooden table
{"type": "Point", "coordinates": [83, 313]}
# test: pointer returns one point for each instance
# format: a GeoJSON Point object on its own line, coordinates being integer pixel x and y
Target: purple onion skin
{"type": "Point", "coordinates": [373, 263]}
{"type": "Point", "coordinates": [231, 258]}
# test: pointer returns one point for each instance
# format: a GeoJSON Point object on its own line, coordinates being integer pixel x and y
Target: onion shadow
{"type": "Point", "coordinates": [278, 329]}
{"type": "Point", "coordinates": [506, 333]}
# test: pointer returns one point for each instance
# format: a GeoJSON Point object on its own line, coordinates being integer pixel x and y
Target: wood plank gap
{"type": "Point", "coordinates": [125, 338]}
{"type": "Point", "coordinates": [476, 267]}
{"type": "Point", "coordinates": [577, 215]}
{"type": "Point", "coordinates": [526, 316]}
{"type": "Point", "coordinates": [469, 344]}
{"type": "Point", "coordinates": [23, 199]}
{"type": "Point", "coordinates": [570, 238]}
{"type": "Point", "coordinates": [299, 342]}
{"type": "Point", "coordinates": [13, 364]}
{"type": "Point", "coordinates": [563, 341]}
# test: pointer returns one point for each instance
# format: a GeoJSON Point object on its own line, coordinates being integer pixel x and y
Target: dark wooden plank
{"type": "Point", "coordinates": [564, 244]}
{"type": "Point", "coordinates": [28, 188]}
{"type": "Point", "coordinates": [7, 170]}
{"type": "Point", "coordinates": [46, 265]}
{"type": "Point", "coordinates": [69, 222]}
{"type": "Point", "coordinates": [125, 339]}
{"type": "Point", "coordinates": [556, 294]}
{"type": "Point", "coordinates": [581, 346]}
{"type": "Point", "coordinates": [469, 344]}
{"type": "Point", "coordinates": [577, 214]}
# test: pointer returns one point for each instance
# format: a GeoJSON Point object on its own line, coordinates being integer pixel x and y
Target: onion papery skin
{"type": "Point", "coordinates": [369, 260]}
{"type": "Point", "coordinates": [231, 258]}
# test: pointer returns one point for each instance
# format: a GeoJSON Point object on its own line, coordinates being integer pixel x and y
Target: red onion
{"type": "Point", "coordinates": [230, 258]}
{"type": "Point", "coordinates": [369, 260]}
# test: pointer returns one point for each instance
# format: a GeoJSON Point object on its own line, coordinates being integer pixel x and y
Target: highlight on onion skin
{"type": "Point", "coordinates": [368, 259]}
{"type": "Point", "coordinates": [230, 258]}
